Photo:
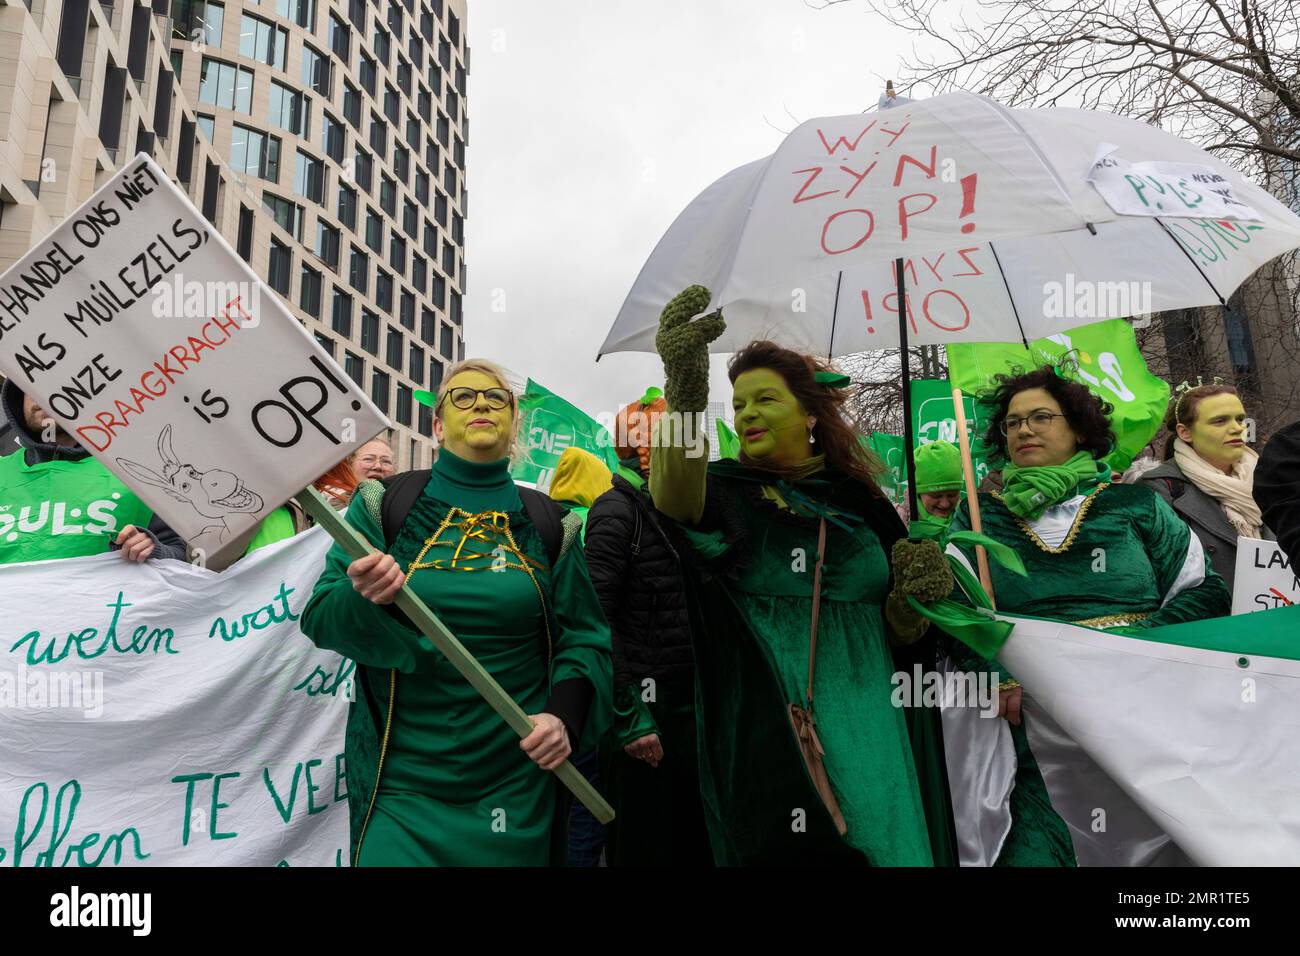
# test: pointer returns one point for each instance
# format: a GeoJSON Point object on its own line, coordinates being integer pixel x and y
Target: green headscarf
{"type": "Point", "coordinates": [1028, 492]}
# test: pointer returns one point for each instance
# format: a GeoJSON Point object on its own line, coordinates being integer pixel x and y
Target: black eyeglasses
{"type": "Point", "coordinates": [464, 397]}
{"type": "Point", "coordinates": [1038, 421]}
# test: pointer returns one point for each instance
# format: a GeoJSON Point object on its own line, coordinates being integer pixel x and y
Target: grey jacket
{"type": "Point", "coordinates": [1202, 513]}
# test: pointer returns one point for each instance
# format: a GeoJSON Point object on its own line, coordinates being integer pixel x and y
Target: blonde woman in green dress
{"type": "Point", "coordinates": [435, 777]}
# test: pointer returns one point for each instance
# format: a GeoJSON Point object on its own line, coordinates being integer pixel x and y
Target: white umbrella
{"type": "Point", "coordinates": [1010, 224]}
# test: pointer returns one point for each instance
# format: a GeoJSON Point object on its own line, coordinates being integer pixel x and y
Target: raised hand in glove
{"type": "Point", "coordinates": [683, 346]}
{"type": "Point", "coordinates": [920, 571]}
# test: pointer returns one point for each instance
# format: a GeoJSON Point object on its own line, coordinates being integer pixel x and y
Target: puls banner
{"type": "Point", "coordinates": [162, 714]}
{"type": "Point", "coordinates": [148, 339]}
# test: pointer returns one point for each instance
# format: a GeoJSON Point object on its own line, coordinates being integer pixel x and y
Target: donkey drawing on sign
{"type": "Point", "coordinates": [213, 494]}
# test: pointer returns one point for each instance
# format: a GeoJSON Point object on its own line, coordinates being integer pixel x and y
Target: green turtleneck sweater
{"type": "Point", "coordinates": [453, 785]}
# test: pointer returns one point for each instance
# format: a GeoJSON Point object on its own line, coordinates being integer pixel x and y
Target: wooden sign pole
{"type": "Point", "coordinates": [358, 547]}
{"type": "Point", "coordinates": [972, 495]}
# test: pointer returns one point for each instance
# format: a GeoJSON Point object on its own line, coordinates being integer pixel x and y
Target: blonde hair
{"type": "Point", "coordinates": [493, 371]}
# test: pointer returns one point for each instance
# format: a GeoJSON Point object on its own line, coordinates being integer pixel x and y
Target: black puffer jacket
{"type": "Point", "coordinates": [635, 566]}
{"type": "Point", "coordinates": [1277, 489]}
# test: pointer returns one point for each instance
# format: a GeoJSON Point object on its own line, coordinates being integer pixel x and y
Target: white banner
{"type": "Point", "coordinates": [149, 339]}
{"type": "Point", "coordinates": [1165, 189]}
{"type": "Point", "coordinates": [1264, 577]}
{"type": "Point", "coordinates": [1151, 751]}
{"type": "Point", "coordinates": [162, 714]}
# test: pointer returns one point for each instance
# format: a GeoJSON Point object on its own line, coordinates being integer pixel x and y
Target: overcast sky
{"type": "Point", "coordinates": [592, 124]}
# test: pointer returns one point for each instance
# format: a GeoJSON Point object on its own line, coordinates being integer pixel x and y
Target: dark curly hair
{"type": "Point", "coordinates": [1087, 414]}
{"type": "Point", "coordinates": [835, 437]}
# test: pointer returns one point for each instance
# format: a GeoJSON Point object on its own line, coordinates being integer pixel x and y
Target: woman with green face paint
{"type": "Point", "coordinates": [1208, 475]}
{"type": "Point", "coordinates": [435, 777]}
{"type": "Point", "coordinates": [752, 580]}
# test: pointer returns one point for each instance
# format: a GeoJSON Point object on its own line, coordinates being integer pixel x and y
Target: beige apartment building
{"type": "Point", "coordinates": [325, 139]}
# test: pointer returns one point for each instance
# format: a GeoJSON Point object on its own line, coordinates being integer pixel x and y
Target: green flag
{"type": "Point", "coordinates": [889, 449]}
{"type": "Point", "coordinates": [1109, 363]}
{"type": "Point", "coordinates": [933, 419]}
{"type": "Point", "coordinates": [728, 441]}
{"type": "Point", "coordinates": [547, 426]}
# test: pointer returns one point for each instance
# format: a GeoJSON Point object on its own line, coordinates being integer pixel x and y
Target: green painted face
{"type": "Point", "coordinates": [480, 432]}
{"type": "Point", "coordinates": [772, 425]}
{"type": "Point", "coordinates": [1219, 432]}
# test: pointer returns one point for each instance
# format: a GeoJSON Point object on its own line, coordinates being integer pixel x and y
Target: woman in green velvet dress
{"type": "Point", "coordinates": [435, 777]}
{"type": "Point", "coordinates": [754, 525]}
{"type": "Point", "coordinates": [1098, 554]}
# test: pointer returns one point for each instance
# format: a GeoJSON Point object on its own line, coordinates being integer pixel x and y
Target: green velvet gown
{"type": "Point", "coordinates": [453, 786]}
{"type": "Point", "coordinates": [751, 602]}
{"type": "Point", "coordinates": [1114, 568]}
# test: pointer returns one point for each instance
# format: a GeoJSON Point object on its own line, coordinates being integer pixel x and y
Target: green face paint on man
{"type": "Point", "coordinates": [773, 427]}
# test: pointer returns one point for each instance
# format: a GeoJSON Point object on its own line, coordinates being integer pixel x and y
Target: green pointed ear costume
{"type": "Point", "coordinates": [683, 346]}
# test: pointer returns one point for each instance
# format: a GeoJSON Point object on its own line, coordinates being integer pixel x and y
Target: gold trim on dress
{"type": "Point", "coordinates": [486, 527]}
{"type": "Point", "coordinates": [1111, 620]}
{"type": "Point", "coordinates": [1074, 528]}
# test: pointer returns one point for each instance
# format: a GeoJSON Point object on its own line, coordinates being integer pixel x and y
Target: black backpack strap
{"type": "Point", "coordinates": [400, 494]}
{"type": "Point", "coordinates": [1175, 486]}
{"type": "Point", "coordinates": [546, 517]}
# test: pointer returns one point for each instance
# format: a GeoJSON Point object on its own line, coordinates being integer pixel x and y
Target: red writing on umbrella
{"type": "Point", "coordinates": [845, 230]}
{"type": "Point", "coordinates": [943, 306]}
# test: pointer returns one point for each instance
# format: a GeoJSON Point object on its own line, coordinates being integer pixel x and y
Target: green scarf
{"type": "Point", "coordinates": [1028, 492]}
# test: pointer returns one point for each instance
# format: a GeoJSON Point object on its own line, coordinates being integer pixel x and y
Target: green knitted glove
{"type": "Point", "coordinates": [921, 571]}
{"type": "Point", "coordinates": [683, 346]}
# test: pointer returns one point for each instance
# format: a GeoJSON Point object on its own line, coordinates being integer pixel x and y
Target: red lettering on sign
{"type": "Point", "coordinates": [928, 170]}
{"type": "Point", "coordinates": [895, 134]}
{"type": "Point", "coordinates": [857, 179]}
{"type": "Point", "coordinates": [816, 171]}
{"type": "Point", "coordinates": [975, 270]}
{"type": "Point", "coordinates": [925, 306]}
{"type": "Point", "coordinates": [871, 225]}
{"type": "Point", "coordinates": [904, 214]}
{"type": "Point", "coordinates": [843, 141]}
{"type": "Point", "coordinates": [934, 266]}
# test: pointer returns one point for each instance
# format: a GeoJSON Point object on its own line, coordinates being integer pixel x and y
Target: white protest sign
{"type": "Point", "coordinates": [167, 715]}
{"type": "Point", "coordinates": [1264, 578]}
{"type": "Point", "coordinates": [148, 339]}
{"type": "Point", "coordinates": [1165, 189]}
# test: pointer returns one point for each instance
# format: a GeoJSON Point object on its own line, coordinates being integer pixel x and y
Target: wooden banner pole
{"type": "Point", "coordinates": [972, 494]}
{"type": "Point", "coordinates": [357, 546]}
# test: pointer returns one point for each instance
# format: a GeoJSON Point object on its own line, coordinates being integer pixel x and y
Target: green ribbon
{"type": "Point", "coordinates": [977, 627]}
{"type": "Point", "coordinates": [806, 507]}
{"type": "Point", "coordinates": [832, 379]}
{"type": "Point", "coordinates": [1004, 554]}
